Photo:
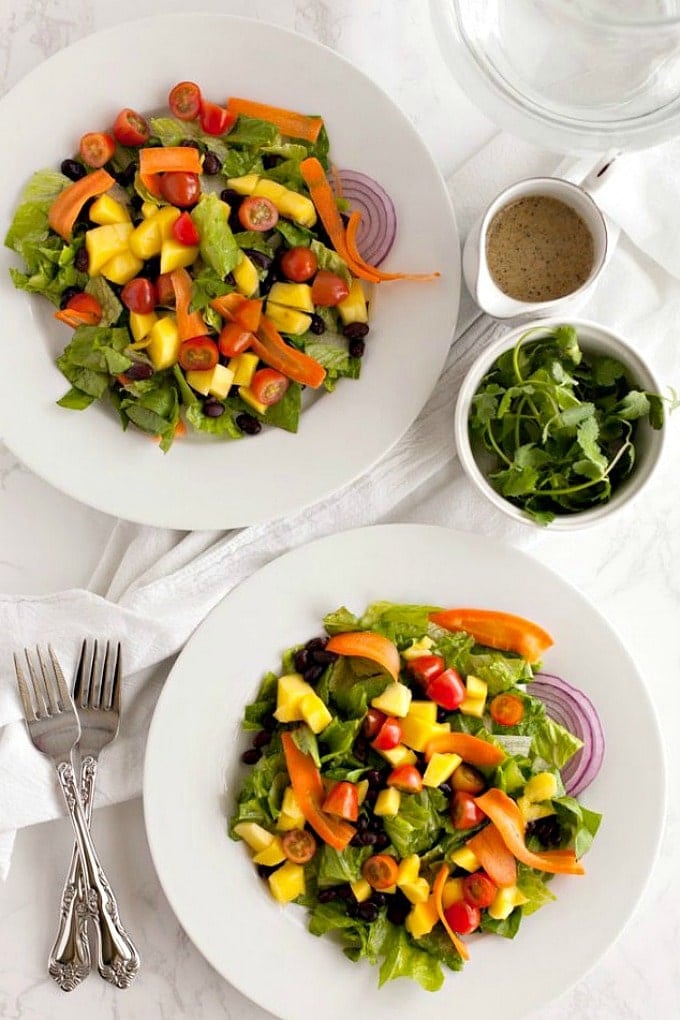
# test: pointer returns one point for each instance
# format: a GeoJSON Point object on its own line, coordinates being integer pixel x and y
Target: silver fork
{"type": "Point", "coordinates": [97, 697]}
{"type": "Point", "coordinates": [54, 728]}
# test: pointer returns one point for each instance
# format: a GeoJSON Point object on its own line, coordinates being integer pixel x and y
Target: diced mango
{"type": "Point", "coordinates": [288, 320]}
{"type": "Point", "coordinates": [420, 647]}
{"type": "Point", "coordinates": [362, 790]}
{"type": "Point", "coordinates": [292, 295]}
{"type": "Point", "coordinates": [409, 868]}
{"type": "Point", "coordinates": [399, 755]}
{"type": "Point", "coordinates": [426, 710]}
{"type": "Point", "coordinates": [290, 690]}
{"type": "Point", "coordinates": [315, 712]}
{"type": "Point", "coordinates": [362, 890]}
{"type": "Point", "coordinates": [465, 858]}
{"type": "Point", "coordinates": [104, 243]}
{"type": "Point", "coordinates": [287, 882]}
{"type": "Point", "coordinates": [122, 268]}
{"type": "Point", "coordinates": [221, 382]}
{"type": "Point", "coordinates": [245, 277]}
{"type": "Point", "coordinates": [269, 189]}
{"type": "Point", "coordinates": [542, 786]}
{"type": "Point", "coordinates": [532, 811]}
{"type": "Point", "coordinates": [452, 892]}
{"type": "Point", "coordinates": [175, 255]}
{"type": "Point", "coordinates": [164, 344]}
{"type": "Point", "coordinates": [106, 210]}
{"type": "Point", "coordinates": [475, 687]}
{"type": "Point", "coordinates": [243, 366]}
{"type": "Point", "coordinates": [148, 236]}
{"type": "Point", "coordinates": [353, 309]}
{"type": "Point", "coordinates": [199, 380]}
{"type": "Point", "coordinates": [394, 700]}
{"type": "Point", "coordinates": [505, 901]}
{"type": "Point", "coordinates": [254, 835]}
{"type": "Point", "coordinates": [296, 207]}
{"type": "Point", "coordinates": [247, 395]}
{"type": "Point", "coordinates": [291, 817]}
{"type": "Point", "coordinates": [417, 891]}
{"type": "Point", "coordinates": [440, 768]}
{"type": "Point", "coordinates": [387, 802]}
{"type": "Point", "coordinates": [472, 706]}
{"type": "Point", "coordinates": [422, 918]}
{"type": "Point", "coordinates": [148, 209]}
{"type": "Point", "coordinates": [141, 323]}
{"type": "Point", "coordinates": [272, 854]}
{"type": "Point", "coordinates": [416, 732]}
{"type": "Point", "coordinates": [243, 185]}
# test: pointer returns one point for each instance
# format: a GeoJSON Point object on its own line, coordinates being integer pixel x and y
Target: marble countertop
{"type": "Point", "coordinates": [630, 570]}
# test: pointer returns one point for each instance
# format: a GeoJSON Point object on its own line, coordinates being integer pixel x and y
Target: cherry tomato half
{"type": "Point", "coordinates": [165, 291]}
{"type": "Point", "coordinates": [478, 889]}
{"type": "Point", "coordinates": [299, 846]}
{"type": "Point", "coordinates": [139, 295]}
{"type": "Point", "coordinates": [447, 689]}
{"type": "Point", "coordinates": [464, 812]}
{"type": "Point", "coordinates": [184, 230]}
{"type": "Point", "coordinates": [406, 778]}
{"type": "Point", "coordinates": [462, 917]}
{"type": "Point", "coordinates": [467, 778]}
{"type": "Point", "coordinates": [506, 709]}
{"type": "Point", "coordinates": [198, 354]}
{"type": "Point", "coordinates": [343, 801]}
{"type": "Point", "coordinates": [380, 871]}
{"type": "Point", "coordinates": [328, 289]}
{"type": "Point", "coordinates": [299, 264]}
{"type": "Point", "coordinates": [215, 120]}
{"type": "Point", "coordinates": [130, 128]}
{"type": "Point", "coordinates": [257, 213]}
{"type": "Point", "coordinates": [185, 100]}
{"type": "Point", "coordinates": [234, 339]}
{"type": "Point", "coordinates": [426, 667]}
{"type": "Point", "coordinates": [389, 735]}
{"type": "Point", "coordinates": [269, 386]}
{"type": "Point", "coordinates": [96, 148]}
{"type": "Point", "coordinates": [372, 723]}
{"type": "Point", "coordinates": [180, 188]}
{"type": "Point", "coordinates": [86, 304]}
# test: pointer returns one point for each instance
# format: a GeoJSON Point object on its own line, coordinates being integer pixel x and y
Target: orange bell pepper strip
{"type": "Point", "coordinates": [234, 307]}
{"type": "Point", "coordinates": [354, 254]}
{"type": "Point", "coordinates": [68, 203]}
{"type": "Point", "coordinates": [163, 159]}
{"type": "Point", "coordinates": [437, 892]}
{"type": "Point", "coordinates": [471, 749]}
{"type": "Point", "coordinates": [289, 123]}
{"type": "Point", "coordinates": [497, 630]}
{"type": "Point", "coordinates": [364, 644]}
{"type": "Point", "coordinates": [189, 324]}
{"type": "Point", "coordinates": [494, 856]}
{"type": "Point", "coordinates": [507, 817]}
{"type": "Point", "coordinates": [309, 792]}
{"type": "Point", "coordinates": [74, 318]}
{"type": "Point", "coordinates": [275, 352]}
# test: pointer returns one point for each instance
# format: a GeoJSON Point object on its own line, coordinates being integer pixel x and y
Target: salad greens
{"type": "Point", "coordinates": [560, 424]}
{"type": "Point", "coordinates": [398, 928]}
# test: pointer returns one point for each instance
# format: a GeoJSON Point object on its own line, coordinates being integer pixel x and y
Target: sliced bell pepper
{"type": "Point", "coordinates": [497, 630]}
{"type": "Point", "coordinates": [189, 324]}
{"type": "Point", "coordinates": [472, 749]}
{"type": "Point", "coordinates": [309, 792]}
{"type": "Point", "coordinates": [437, 892]}
{"type": "Point", "coordinates": [234, 307]}
{"type": "Point", "coordinates": [494, 856]}
{"type": "Point", "coordinates": [68, 203]}
{"type": "Point", "coordinates": [507, 817]}
{"type": "Point", "coordinates": [164, 159]}
{"type": "Point", "coordinates": [272, 349]}
{"type": "Point", "coordinates": [365, 644]}
{"type": "Point", "coordinates": [289, 123]}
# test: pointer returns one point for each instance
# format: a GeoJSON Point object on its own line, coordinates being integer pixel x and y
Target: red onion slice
{"type": "Point", "coordinates": [575, 711]}
{"type": "Point", "coordinates": [378, 226]}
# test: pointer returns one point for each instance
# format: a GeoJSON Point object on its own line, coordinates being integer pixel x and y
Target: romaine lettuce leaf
{"type": "Point", "coordinates": [223, 426]}
{"type": "Point", "coordinates": [330, 260]}
{"type": "Point", "coordinates": [403, 958]}
{"type": "Point", "coordinates": [417, 824]}
{"type": "Point", "coordinates": [218, 247]}
{"type": "Point", "coordinates": [399, 623]}
{"type": "Point", "coordinates": [336, 868]}
{"type": "Point", "coordinates": [535, 888]}
{"type": "Point", "coordinates": [93, 356]}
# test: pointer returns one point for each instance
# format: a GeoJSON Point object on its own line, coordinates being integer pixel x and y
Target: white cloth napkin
{"type": "Point", "coordinates": [154, 586]}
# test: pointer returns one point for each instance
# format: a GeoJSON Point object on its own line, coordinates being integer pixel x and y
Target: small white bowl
{"type": "Point", "coordinates": [592, 337]}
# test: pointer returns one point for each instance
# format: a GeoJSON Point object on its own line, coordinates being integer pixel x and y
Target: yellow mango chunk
{"type": "Point", "coordinates": [422, 918]}
{"type": "Point", "coordinates": [394, 700]}
{"type": "Point", "coordinates": [175, 255]}
{"type": "Point", "coordinates": [362, 890]}
{"type": "Point", "coordinates": [353, 308]}
{"type": "Point", "coordinates": [291, 817]}
{"type": "Point", "coordinates": [215, 381]}
{"type": "Point", "coordinates": [315, 712]}
{"type": "Point", "coordinates": [465, 858]}
{"type": "Point", "coordinates": [417, 891]}
{"type": "Point", "coordinates": [164, 342]}
{"type": "Point", "coordinates": [104, 243]}
{"type": "Point", "coordinates": [141, 324]}
{"type": "Point", "coordinates": [409, 868]}
{"type": "Point", "coordinates": [542, 786]}
{"type": "Point", "coordinates": [452, 892]}
{"type": "Point", "coordinates": [290, 690]}
{"type": "Point", "coordinates": [272, 854]}
{"type": "Point", "coordinates": [387, 802]}
{"type": "Point", "coordinates": [287, 882]}
{"type": "Point", "coordinates": [420, 647]}
{"type": "Point", "coordinates": [247, 395]}
{"type": "Point", "coordinates": [292, 295]}
{"type": "Point", "coordinates": [245, 277]}
{"type": "Point", "coordinates": [426, 710]}
{"type": "Point", "coordinates": [439, 768]}
{"type": "Point", "coordinates": [288, 320]}
{"type": "Point", "coordinates": [399, 755]}
{"type": "Point", "coordinates": [244, 367]}
{"type": "Point", "coordinates": [107, 210]}
{"type": "Point", "coordinates": [254, 835]}
{"type": "Point", "coordinates": [243, 185]}
{"type": "Point", "coordinates": [122, 268]}
{"type": "Point", "coordinates": [505, 901]}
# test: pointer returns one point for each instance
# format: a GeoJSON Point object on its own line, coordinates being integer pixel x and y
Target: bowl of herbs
{"type": "Point", "coordinates": [560, 424]}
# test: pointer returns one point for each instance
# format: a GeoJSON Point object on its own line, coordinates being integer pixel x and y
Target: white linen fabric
{"type": "Point", "coordinates": [154, 586]}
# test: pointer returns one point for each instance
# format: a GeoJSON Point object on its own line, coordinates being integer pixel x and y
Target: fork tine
{"type": "Point", "coordinates": [50, 689]}
{"type": "Point", "coordinates": [81, 683]}
{"type": "Point", "coordinates": [64, 693]}
{"type": "Point", "coordinates": [103, 674]}
{"type": "Point", "coordinates": [38, 689]}
{"type": "Point", "coordinates": [29, 710]}
{"type": "Point", "coordinates": [111, 696]}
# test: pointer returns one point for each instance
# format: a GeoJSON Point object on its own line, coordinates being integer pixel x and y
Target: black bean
{"type": "Point", "coordinates": [374, 777]}
{"type": "Point", "coordinates": [190, 143]}
{"type": "Point", "coordinates": [344, 891]}
{"type": "Point", "coordinates": [250, 756]}
{"type": "Point", "coordinates": [398, 907]}
{"type": "Point", "coordinates": [269, 160]}
{"type": "Point", "coordinates": [213, 408]}
{"type": "Point", "coordinates": [139, 370]}
{"type": "Point", "coordinates": [317, 325]}
{"type": "Point", "coordinates": [382, 841]}
{"type": "Point", "coordinates": [353, 910]}
{"type": "Point", "coordinates": [82, 260]}
{"type": "Point", "coordinates": [259, 258]}
{"type": "Point", "coordinates": [261, 738]}
{"type": "Point", "coordinates": [357, 839]}
{"type": "Point", "coordinates": [547, 830]}
{"type": "Point", "coordinates": [372, 792]}
{"type": "Point", "coordinates": [362, 823]}
{"type": "Point", "coordinates": [314, 673]}
{"type": "Point", "coordinates": [67, 295]}
{"type": "Point", "coordinates": [370, 838]}
{"type": "Point", "coordinates": [355, 330]}
{"type": "Point", "coordinates": [269, 722]}
{"type": "Point", "coordinates": [316, 644]}
{"type": "Point", "coordinates": [442, 715]}
{"type": "Point", "coordinates": [301, 660]}
{"type": "Point", "coordinates": [212, 164]}
{"type": "Point", "coordinates": [246, 423]}
{"type": "Point", "coordinates": [361, 750]}
{"type": "Point", "coordinates": [264, 870]}
{"type": "Point", "coordinates": [126, 177]}
{"type": "Point", "coordinates": [320, 657]}
{"type": "Point", "coordinates": [357, 348]}
{"type": "Point", "coordinates": [273, 276]}
{"type": "Point", "coordinates": [446, 789]}
{"type": "Point", "coordinates": [379, 898]}
{"type": "Point", "coordinates": [230, 196]}
{"type": "Point", "coordinates": [327, 895]}
{"type": "Point", "coordinates": [72, 169]}
{"type": "Point", "coordinates": [368, 911]}
{"type": "Point", "coordinates": [136, 201]}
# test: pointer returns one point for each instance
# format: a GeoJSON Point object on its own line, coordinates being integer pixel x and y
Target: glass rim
{"type": "Point", "coordinates": [632, 23]}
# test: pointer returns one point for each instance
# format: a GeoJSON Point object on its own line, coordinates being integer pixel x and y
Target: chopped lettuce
{"type": "Point", "coordinates": [417, 824]}
{"type": "Point", "coordinates": [218, 247]}
{"type": "Point", "coordinates": [111, 307]}
{"type": "Point", "coordinates": [93, 356]}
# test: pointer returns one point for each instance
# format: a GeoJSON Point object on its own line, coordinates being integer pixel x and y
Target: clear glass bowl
{"type": "Point", "coordinates": [568, 75]}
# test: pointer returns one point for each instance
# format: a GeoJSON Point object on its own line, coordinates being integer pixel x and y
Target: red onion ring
{"type": "Point", "coordinates": [574, 710]}
{"type": "Point", "coordinates": [378, 225]}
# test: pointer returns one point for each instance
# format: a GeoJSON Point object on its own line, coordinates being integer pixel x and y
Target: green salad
{"type": "Point", "coordinates": [405, 787]}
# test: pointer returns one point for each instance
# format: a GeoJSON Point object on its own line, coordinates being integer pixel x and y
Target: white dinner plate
{"type": "Point", "coordinates": [201, 482]}
{"type": "Point", "coordinates": [192, 776]}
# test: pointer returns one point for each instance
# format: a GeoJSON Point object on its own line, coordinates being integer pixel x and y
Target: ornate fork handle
{"type": "Point", "coordinates": [70, 961]}
{"type": "Point", "coordinates": [118, 960]}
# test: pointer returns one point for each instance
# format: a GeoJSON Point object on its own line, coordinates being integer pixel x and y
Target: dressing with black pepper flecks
{"type": "Point", "coordinates": [539, 249]}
